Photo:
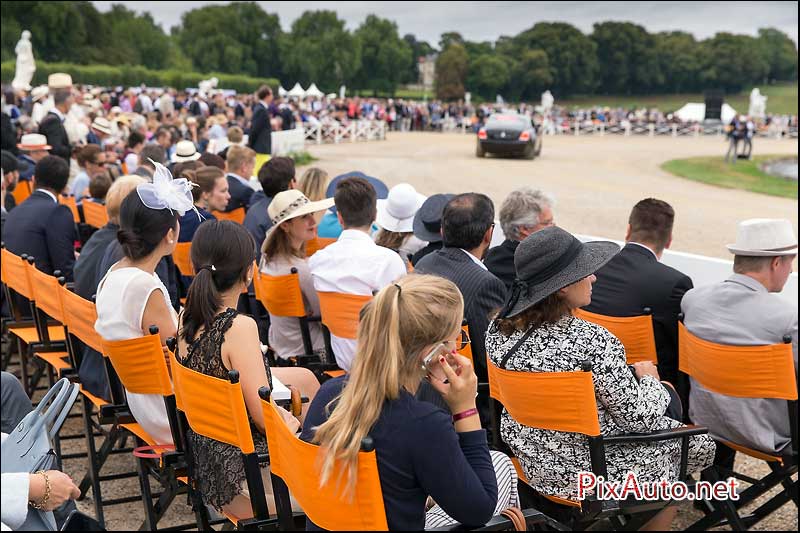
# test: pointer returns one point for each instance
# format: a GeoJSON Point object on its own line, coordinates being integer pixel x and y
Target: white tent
{"type": "Point", "coordinates": [296, 91]}
{"type": "Point", "coordinates": [313, 91]}
{"type": "Point", "coordinates": [281, 91]}
{"type": "Point", "coordinates": [694, 112]}
{"type": "Point", "coordinates": [330, 96]}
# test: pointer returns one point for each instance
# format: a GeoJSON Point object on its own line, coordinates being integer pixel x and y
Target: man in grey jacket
{"type": "Point", "coordinates": [741, 311]}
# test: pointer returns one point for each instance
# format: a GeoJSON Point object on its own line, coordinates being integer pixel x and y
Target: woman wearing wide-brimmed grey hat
{"type": "Point", "coordinates": [537, 332]}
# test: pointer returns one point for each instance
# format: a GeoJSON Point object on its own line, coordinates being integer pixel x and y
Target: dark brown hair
{"type": "Point", "coordinates": [356, 201]}
{"type": "Point", "coordinates": [205, 177]}
{"type": "Point", "coordinates": [227, 246]}
{"type": "Point", "coordinates": [651, 223]}
{"type": "Point", "coordinates": [263, 92]}
{"type": "Point", "coordinates": [548, 311]}
{"type": "Point", "coordinates": [88, 154]}
{"type": "Point", "coordinates": [99, 185]}
{"type": "Point", "coordinates": [275, 175]}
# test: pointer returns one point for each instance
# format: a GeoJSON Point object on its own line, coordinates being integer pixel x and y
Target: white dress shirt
{"type": "Point", "coordinates": [474, 259]}
{"type": "Point", "coordinates": [354, 264]}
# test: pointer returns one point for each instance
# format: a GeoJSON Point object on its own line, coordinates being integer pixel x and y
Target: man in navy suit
{"type": "Point", "coordinates": [260, 136]}
{"type": "Point", "coordinates": [52, 125]}
{"type": "Point", "coordinates": [40, 226]}
{"type": "Point", "coordinates": [241, 163]}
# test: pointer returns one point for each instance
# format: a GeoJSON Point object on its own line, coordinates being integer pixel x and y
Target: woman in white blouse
{"type": "Point", "coordinates": [293, 224]}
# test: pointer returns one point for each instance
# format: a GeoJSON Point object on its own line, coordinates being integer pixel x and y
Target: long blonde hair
{"type": "Point", "coordinates": [314, 183]}
{"type": "Point", "coordinates": [396, 326]}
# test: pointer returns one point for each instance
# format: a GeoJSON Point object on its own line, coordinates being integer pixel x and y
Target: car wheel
{"type": "Point", "coordinates": [530, 152]}
{"type": "Point", "coordinates": [538, 150]}
{"type": "Point", "coordinates": [479, 151]}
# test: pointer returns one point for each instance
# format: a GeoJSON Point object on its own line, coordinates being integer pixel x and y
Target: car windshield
{"type": "Point", "coordinates": [508, 120]}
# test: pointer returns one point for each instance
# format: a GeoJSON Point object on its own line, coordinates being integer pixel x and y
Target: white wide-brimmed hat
{"type": "Point", "coordinates": [59, 80]}
{"type": "Point", "coordinates": [102, 125]}
{"type": "Point", "coordinates": [290, 204]}
{"type": "Point", "coordinates": [185, 151]}
{"type": "Point", "coordinates": [31, 142]}
{"type": "Point", "coordinates": [396, 212]}
{"type": "Point", "coordinates": [764, 237]}
{"type": "Point", "coordinates": [37, 93]}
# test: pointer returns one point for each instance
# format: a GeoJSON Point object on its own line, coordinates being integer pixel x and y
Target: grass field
{"type": "Point", "coordinates": [743, 175]}
{"type": "Point", "coordinates": [782, 99]}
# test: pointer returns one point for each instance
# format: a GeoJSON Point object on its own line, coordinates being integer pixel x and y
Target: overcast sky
{"type": "Point", "coordinates": [485, 21]}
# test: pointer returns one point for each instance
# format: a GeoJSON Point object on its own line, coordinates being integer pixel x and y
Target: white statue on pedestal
{"type": "Point", "coordinates": [206, 86]}
{"type": "Point", "coordinates": [758, 104]}
{"type": "Point", "coordinates": [26, 66]}
{"type": "Point", "coordinates": [547, 102]}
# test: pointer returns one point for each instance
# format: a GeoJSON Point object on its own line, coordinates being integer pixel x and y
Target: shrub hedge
{"type": "Point", "coordinates": [134, 75]}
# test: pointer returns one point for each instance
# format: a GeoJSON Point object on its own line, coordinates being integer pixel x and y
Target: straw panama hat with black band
{"type": "Point", "coordinates": [549, 260]}
{"type": "Point", "coordinates": [290, 204]}
{"type": "Point", "coordinates": [185, 151]}
{"type": "Point", "coordinates": [32, 142]}
{"type": "Point", "coordinates": [764, 237]}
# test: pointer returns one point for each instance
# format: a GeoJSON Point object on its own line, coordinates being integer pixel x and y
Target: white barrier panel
{"type": "Point", "coordinates": [287, 141]}
{"type": "Point", "coordinates": [706, 270]}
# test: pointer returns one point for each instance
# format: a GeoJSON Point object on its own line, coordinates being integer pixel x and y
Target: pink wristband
{"type": "Point", "coordinates": [464, 414]}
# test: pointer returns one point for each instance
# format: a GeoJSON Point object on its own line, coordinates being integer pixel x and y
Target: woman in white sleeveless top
{"type": "Point", "coordinates": [131, 297]}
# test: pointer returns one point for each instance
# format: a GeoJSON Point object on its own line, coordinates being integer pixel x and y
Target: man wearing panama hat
{"type": "Point", "coordinates": [742, 311]}
{"type": "Point", "coordinates": [52, 125]}
{"type": "Point", "coordinates": [33, 148]}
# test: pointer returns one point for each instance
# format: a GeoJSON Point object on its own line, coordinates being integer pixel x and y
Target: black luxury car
{"type": "Point", "coordinates": [509, 133]}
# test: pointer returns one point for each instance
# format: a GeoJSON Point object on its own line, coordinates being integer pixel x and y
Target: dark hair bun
{"type": "Point", "coordinates": [133, 246]}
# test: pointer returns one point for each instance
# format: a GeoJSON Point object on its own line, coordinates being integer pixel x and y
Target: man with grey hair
{"type": "Point", "coordinates": [526, 210]}
{"type": "Point", "coordinates": [150, 151]}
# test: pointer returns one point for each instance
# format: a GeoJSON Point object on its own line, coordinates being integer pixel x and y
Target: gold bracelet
{"type": "Point", "coordinates": [47, 489]}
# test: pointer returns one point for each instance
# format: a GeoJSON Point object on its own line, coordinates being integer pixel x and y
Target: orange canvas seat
{"type": "Point", "coordinates": [94, 214]}
{"type": "Point", "coordinates": [634, 332]}
{"type": "Point", "coordinates": [237, 215]}
{"type": "Point", "coordinates": [70, 202]}
{"type": "Point", "coordinates": [29, 335]}
{"type": "Point", "coordinates": [340, 312]}
{"type": "Point", "coordinates": [316, 244]}
{"type": "Point", "coordinates": [182, 256]}
{"type": "Point", "coordinates": [766, 371]}
{"type": "Point", "coordinates": [296, 465]}
{"type": "Point", "coordinates": [22, 191]}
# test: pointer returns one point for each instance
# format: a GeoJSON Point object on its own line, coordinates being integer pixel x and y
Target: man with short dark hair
{"type": "Point", "coordinates": [635, 279]}
{"type": "Point", "coordinates": [277, 175]}
{"type": "Point", "coordinates": [40, 226]}
{"type": "Point", "coordinates": [260, 135]}
{"type": "Point", "coordinates": [241, 162]}
{"type": "Point", "coordinates": [467, 226]}
{"type": "Point", "coordinates": [354, 264]}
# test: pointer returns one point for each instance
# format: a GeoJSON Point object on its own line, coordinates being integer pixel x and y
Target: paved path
{"type": "Point", "coordinates": [596, 180]}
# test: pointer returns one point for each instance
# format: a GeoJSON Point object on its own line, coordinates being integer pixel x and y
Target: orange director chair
{"type": "Point", "coordinates": [94, 214]}
{"type": "Point", "coordinates": [316, 244]}
{"type": "Point", "coordinates": [634, 332]}
{"type": "Point", "coordinates": [215, 408]}
{"type": "Point", "coordinates": [237, 215]}
{"type": "Point", "coordinates": [747, 372]}
{"type": "Point", "coordinates": [340, 316]}
{"type": "Point", "coordinates": [565, 401]}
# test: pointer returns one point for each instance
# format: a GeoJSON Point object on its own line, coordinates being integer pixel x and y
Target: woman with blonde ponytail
{"type": "Point", "coordinates": [409, 333]}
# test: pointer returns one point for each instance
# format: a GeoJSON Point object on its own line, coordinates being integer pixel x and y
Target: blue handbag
{"type": "Point", "coordinates": [29, 447]}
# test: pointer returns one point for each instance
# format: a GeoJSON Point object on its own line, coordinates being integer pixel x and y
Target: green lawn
{"type": "Point", "coordinates": [743, 175]}
{"type": "Point", "coordinates": [782, 99]}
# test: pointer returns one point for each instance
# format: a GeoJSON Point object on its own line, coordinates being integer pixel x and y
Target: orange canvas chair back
{"type": "Point", "coordinates": [140, 364]}
{"type": "Point", "coordinates": [182, 256]}
{"type": "Point", "coordinates": [316, 244]}
{"type": "Point", "coordinates": [467, 350]}
{"type": "Point", "coordinates": [79, 317]}
{"type": "Point", "coordinates": [280, 295]}
{"type": "Point", "coordinates": [22, 191]}
{"type": "Point", "coordinates": [340, 312]}
{"type": "Point", "coordinates": [329, 506]}
{"type": "Point", "coordinates": [742, 371]}
{"type": "Point", "coordinates": [237, 215]}
{"type": "Point", "coordinates": [15, 274]}
{"type": "Point", "coordinates": [213, 407]}
{"type": "Point", "coordinates": [94, 214]}
{"type": "Point", "coordinates": [634, 332]}
{"type": "Point", "coordinates": [69, 201]}
{"type": "Point", "coordinates": [559, 401]}
{"type": "Point", "coordinates": [46, 293]}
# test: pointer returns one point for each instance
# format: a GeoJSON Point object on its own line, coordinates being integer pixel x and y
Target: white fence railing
{"type": "Point", "coordinates": [334, 132]}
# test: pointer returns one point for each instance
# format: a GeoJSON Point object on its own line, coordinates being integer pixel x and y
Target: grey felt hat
{"type": "Point", "coordinates": [549, 260]}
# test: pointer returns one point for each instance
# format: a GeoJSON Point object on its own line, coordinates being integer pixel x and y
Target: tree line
{"type": "Point", "coordinates": [242, 39]}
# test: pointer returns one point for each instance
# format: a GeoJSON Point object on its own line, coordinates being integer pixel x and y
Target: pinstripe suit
{"type": "Point", "coordinates": [483, 294]}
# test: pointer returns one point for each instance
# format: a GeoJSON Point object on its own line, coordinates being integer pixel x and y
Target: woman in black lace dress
{"type": "Point", "coordinates": [213, 339]}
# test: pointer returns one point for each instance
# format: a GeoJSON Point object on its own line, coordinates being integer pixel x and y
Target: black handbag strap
{"type": "Point", "coordinates": [514, 349]}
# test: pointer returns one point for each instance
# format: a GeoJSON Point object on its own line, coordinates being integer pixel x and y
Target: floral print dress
{"type": "Point", "coordinates": [552, 460]}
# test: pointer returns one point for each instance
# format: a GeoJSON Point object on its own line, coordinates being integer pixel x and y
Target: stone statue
{"type": "Point", "coordinates": [207, 86]}
{"type": "Point", "coordinates": [547, 102]}
{"type": "Point", "coordinates": [758, 104]}
{"type": "Point", "coordinates": [26, 66]}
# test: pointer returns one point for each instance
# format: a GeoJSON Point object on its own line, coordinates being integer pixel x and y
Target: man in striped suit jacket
{"type": "Point", "coordinates": [467, 227]}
